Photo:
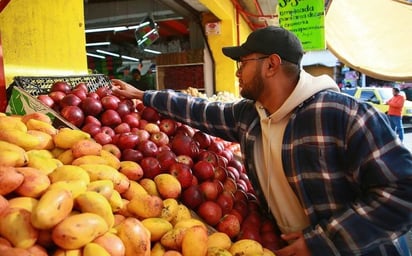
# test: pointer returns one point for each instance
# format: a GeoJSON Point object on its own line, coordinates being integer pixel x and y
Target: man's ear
{"type": "Point", "coordinates": [274, 61]}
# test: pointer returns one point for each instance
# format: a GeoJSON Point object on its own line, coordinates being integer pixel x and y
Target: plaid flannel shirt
{"type": "Point", "coordinates": [352, 175]}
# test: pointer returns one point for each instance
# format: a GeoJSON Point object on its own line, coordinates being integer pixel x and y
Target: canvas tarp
{"type": "Point", "coordinates": [372, 36]}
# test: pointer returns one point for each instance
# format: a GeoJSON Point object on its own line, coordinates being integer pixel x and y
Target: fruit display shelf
{"type": "Point", "coordinates": [36, 85]}
{"type": "Point", "coordinates": [23, 92]}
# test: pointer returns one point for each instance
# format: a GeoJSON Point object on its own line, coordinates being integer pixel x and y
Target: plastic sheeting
{"type": "Point", "coordinates": [372, 36]}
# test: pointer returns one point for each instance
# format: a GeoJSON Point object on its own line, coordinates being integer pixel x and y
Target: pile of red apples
{"type": "Point", "coordinates": [213, 179]}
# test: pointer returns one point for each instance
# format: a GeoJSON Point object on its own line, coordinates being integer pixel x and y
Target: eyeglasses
{"type": "Point", "coordinates": [239, 63]}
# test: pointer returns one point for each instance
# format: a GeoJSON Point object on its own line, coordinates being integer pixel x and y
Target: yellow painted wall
{"type": "Point", "coordinates": [229, 36]}
{"type": "Point", "coordinates": [43, 38]}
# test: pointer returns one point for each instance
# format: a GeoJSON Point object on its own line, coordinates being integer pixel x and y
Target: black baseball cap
{"type": "Point", "coordinates": [269, 40]}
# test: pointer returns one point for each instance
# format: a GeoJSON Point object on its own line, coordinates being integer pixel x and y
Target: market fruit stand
{"type": "Point", "coordinates": [58, 182]}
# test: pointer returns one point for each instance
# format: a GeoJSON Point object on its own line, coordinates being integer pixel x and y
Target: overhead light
{"type": "Point", "coordinates": [151, 51]}
{"type": "Point", "coordinates": [138, 26]}
{"type": "Point", "coordinates": [95, 55]}
{"type": "Point", "coordinates": [93, 30]}
{"type": "Point", "coordinates": [98, 44]}
{"type": "Point", "coordinates": [108, 53]}
{"type": "Point", "coordinates": [129, 58]}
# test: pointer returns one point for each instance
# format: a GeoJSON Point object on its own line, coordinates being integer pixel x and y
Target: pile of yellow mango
{"type": "Point", "coordinates": [61, 193]}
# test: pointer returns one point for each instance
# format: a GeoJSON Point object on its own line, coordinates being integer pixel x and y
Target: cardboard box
{"type": "Point", "coordinates": [21, 102]}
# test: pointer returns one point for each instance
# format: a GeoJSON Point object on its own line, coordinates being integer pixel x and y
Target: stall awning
{"type": "Point", "coordinates": [324, 58]}
{"type": "Point", "coordinates": [372, 36]}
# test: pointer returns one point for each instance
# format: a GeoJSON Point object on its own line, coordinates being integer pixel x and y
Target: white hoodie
{"type": "Point", "coordinates": [283, 202]}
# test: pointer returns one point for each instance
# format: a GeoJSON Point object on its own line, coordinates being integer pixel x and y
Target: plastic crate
{"type": "Point", "coordinates": [37, 85]}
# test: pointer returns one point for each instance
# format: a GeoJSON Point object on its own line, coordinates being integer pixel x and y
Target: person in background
{"type": "Point", "coordinates": [395, 111]}
{"type": "Point", "coordinates": [136, 80]}
{"type": "Point", "coordinates": [327, 167]}
{"type": "Point", "coordinates": [149, 78]}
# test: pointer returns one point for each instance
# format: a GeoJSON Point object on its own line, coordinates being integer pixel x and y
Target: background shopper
{"type": "Point", "coordinates": [327, 167]}
{"type": "Point", "coordinates": [395, 111]}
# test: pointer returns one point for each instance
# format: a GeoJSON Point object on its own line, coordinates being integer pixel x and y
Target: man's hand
{"type": "Point", "coordinates": [125, 90]}
{"type": "Point", "coordinates": [297, 245]}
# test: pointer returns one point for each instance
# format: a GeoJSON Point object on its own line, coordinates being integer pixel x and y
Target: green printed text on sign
{"type": "Point", "coordinates": [305, 18]}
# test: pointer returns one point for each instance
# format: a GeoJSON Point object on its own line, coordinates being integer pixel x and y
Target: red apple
{"type": "Point", "coordinates": [233, 172]}
{"type": "Point", "coordinates": [102, 138]}
{"type": "Point", "coordinates": [115, 138]}
{"type": "Point", "coordinates": [164, 148]}
{"type": "Point", "coordinates": [139, 105]}
{"type": "Point", "coordinates": [143, 134]}
{"type": "Point", "coordinates": [203, 170]}
{"type": "Point", "coordinates": [192, 197]}
{"type": "Point", "coordinates": [166, 159]}
{"type": "Point", "coordinates": [240, 195]}
{"type": "Point", "coordinates": [272, 241]}
{"type": "Point", "coordinates": [60, 86]}
{"type": "Point", "coordinates": [208, 156]}
{"type": "Point", "coordinates": [127, 141]}
{"type": "Point", "coordinates": [92, 119]}
{"type": "Point", "coordinates": [150, 114]}
{"type": "Point", "coordinates": [110, 102]}
{"type": "Point", "coordinates": [151, 128]}
{"type": "Point", "coordinates": [227, 153]}
{"type": "Point", "coordinates": [216, 146]}
{"type": "Point", "coordinates": [103, 91]}
{"type": "Point", "coordinates": [91, 106]}
{"type": "Point", "coordinates": [229, 224]}
{"type": "Point", "coordinates": [142, 123]}
{"type": "Point", "coordinates": [123, 108]}
{"type": "Point", "coordinates": [237, 164]}
{"type": "Point", "coordinates": [57, 96]}
{"type": "Point", "coordinates": [203, 139]}
{"type": "Point", "coordinates": [46, 100]}
{"type": "Point", "coordinates": [209, 190]}
{"type": "Point", "coordinates": [183, 173]}
{"type": "Point", "coordinates": [148, 148]}
{"type": "Point", "coordinates": [219, 185]}
{"type": "Point", "coordinates": [150, 166]}
{"type": "Point", "coordinates": [79, 93]}
{"type": "Point", "coordinates": [242, 208]}
{"type": "Point", "coordinates": [112, 148]}
{"type": "Point", "coordinates": [226, 201]}
{"type": "Point", "coordinates": [81, 86]}
{"type": "Point", "coordinates": [70, 100]}
{"type": "Point", "coordinates": [93, 95]}
{"type": "Point", "coordinates": [108, 130]}
{"type": "Point", "coordinates": [130, 154]}
{"type": "Point", "coordinates": [185, 129]}
{"type": "Point", "coordinates": [220, 173]}
{"type": "Point", "coordinates": [236, 213]}
{"type": "Point", "coordinates": [122, 128]}
{"type": "Point", "coordinates": [210, 212]}
{"type": "Point", "coordinates": [168, 126]}
{"type": "Point", "coordinates": [184, 145]}
{"type": "Point", "coordinates": [241, 185]}
{"type": "Point", "coordinates": [91, 128]}
{"type": "Point", "coordinates": [73, 114]}
{"type": "Point", "coordinates": [131, 119]}
{"type": "Point", "coordinates": [230, 185]}
{"type": "Point", "coordinates": [185, 159]}
{"type": "Point", "coordinates": [110, 117]}
{"type": "Point", "coordinates": [159, 138]}
{"type": "Point", "coordinates": [222, 161]}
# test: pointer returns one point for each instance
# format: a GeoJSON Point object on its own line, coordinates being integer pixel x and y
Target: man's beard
{"type": "Point", "coordinates": [254, 89]}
